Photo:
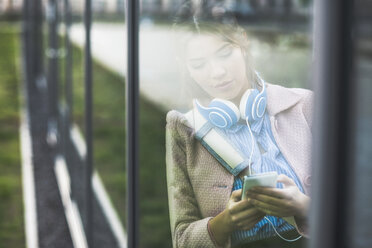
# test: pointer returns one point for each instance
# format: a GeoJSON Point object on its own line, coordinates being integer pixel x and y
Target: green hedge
{"type": "Point", "coordinates": [11, 201]}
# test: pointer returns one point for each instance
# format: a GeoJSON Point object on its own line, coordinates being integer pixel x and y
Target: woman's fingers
{"type": "Point", "coordinates": [239, 206]}
{"type": "Point", "coordinates": [278, 202]}
{"type": "Point", "coordinates": [246, 214]}
{"type": "Point", "coordinates": [273, 192]}
{"type": "Point", "coordinates": [236, 195]}
{"type": "Point", "coordinates": [268, 208]}
{"type": "Point", "coordinates": [269, 200]}
{"type": "Point", "coordinates": [287, 181]}
{"type": "Point", "coordinates": [248, 224]}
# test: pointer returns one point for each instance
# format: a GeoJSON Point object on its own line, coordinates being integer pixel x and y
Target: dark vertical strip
{"type": "Point", "coordinates": [28, 52]}
{"type": "Point", "coordinates": [67, 120]}
{"type": "Point", "coordinates": [26, 41]}
{"type": "Point", "coordinates": [32, 53]}
{"type": "Point", "coordinates": [32, 26]}
{"type": "Point", "coordinates": [334, 123]}
{"type": "Point", "coordinates": [68, 65]}
{"type": "Point", "coordinates": [52, 53]}
{"type": "Point", "coordinates": [88, 124]}
{"type": "Point", "coordinates": [132, 122]}
{"type": "Point", "coordinates": [39, 49]}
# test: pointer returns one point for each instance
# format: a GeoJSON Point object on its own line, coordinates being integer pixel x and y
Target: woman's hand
{"type": "Point", "coordinates": [241, 214]}
{"type": "Point", "coordinates": [238, 215]}
{"type": "Point", "coordinates": [289, 201]}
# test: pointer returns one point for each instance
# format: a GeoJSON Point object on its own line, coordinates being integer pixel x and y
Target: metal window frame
{"type": "Point", "coordinates": [333, 132]}
{"type": "Point", "coordinates": [88, 78]}
{"type": "Point", "coordinates": [53, 63]}
{"type": "Point", "coordinates": [132, 120]}
{"type": "Point", "coordinates": [68, 64]}
{"type": "Point", "coordinates": [334, 121]}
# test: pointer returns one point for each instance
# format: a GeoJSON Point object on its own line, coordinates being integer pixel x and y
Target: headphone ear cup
{"type": "Point", "coordinates": [259, 104]}
{"type": "Point", "coordinates": [227, 109]}
{"type": "Point", "coordinates": [243, 104]}
{"type": "Point", "coordinates": [247, 104]}
{"type": "Point", "coordinates": [221, 113]}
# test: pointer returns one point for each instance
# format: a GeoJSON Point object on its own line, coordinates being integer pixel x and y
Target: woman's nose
{"type": "Point", "coordinates": [217, 70]}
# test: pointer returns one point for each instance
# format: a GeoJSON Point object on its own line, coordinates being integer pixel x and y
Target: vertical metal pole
{"type": "Point", "coordinates": [52, 53]}
{"type": "Point", "coordinates": [39, 49]}
{"type": "Point", "coordinates": [32, 19]}
{"type": "Point", "coordinates": [68, 65]}
{"type": "Point", "coordinates": [132, 113]}
{"type": "Point", "coordinates": [27, 41]}
{"type": "Point", "coordinates": [68, 117]}
{"type": "Point", "coordinates": [88, 124]}
{"type": "Point", "coordinates": [333, 122]}
{"type": "Point", "coordinates": [32, 50]}
{"type": "Point", "coordinates": [32, 57]}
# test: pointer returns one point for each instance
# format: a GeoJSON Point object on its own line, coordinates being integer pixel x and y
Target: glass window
{"type": "Point", "coordinates": [257, 56]}
{"type": "Point", "coordinates": [108, 46]}
{"type": "Point", "coordinates": [360, 203]}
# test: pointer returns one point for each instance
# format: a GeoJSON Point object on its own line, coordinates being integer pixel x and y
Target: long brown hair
{"type": "Point", "coordinates": [227, 31]}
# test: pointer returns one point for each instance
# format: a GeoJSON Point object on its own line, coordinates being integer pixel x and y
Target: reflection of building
{"type": "Point", "coordinates": [98, 6]}
{"type": "Point", "coordinates": [108, 6]}
{"type": "Point", "coordinates": [240, 7]}
{"type": "Point", "coordinates": [10, 6]}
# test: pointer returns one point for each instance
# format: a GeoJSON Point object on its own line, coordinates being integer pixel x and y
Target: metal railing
{"type": "Point", "coordinates": [73, 156]}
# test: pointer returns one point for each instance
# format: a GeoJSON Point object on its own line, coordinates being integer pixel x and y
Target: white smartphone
{"type": "Point", "coordinates": [267, 179]}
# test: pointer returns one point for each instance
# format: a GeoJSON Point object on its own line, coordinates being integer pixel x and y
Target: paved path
{"type": "Point", "coordinates": [158, 78]}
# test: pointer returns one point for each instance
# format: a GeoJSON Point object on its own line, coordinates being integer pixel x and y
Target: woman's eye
{"type": "Point", "coordinates": [197, 64]}
{"type": "Point", "coordinates": [225, 52]}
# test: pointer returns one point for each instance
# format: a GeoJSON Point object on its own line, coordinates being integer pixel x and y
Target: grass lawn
{"type": "Point", "coordinates": [11, 201]}
{"type": "Point", "coordinates": [109, 149]}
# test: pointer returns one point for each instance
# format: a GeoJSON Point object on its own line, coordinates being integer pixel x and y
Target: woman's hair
{"type": "Point", "coordinates": [217, 22]}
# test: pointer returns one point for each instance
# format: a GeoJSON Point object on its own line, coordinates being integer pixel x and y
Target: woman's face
{"type": "Point", "coordinates": [217, 66]}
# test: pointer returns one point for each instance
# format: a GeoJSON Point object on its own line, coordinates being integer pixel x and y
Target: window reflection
{"type": "Point", "coordinates": [360, 204]}
{"type": "Point", "coordinates": [238, 130]}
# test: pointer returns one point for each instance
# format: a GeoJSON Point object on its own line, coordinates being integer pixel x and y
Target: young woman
{"type": "Point", "coordinates": [205, 203]}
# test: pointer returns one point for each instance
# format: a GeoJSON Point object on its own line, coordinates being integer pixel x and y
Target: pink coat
{"type": "Point", "coordinates": [199, 187]}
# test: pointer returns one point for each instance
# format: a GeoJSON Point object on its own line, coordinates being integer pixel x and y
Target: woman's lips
{"type": "Point", "coordinates": [224, 85]}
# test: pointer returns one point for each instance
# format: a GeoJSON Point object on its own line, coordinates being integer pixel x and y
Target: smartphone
{"type": "Point", "coordinates": [267, 179]}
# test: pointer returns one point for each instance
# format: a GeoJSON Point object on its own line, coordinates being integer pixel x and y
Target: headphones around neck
{"type": "Point", "coordinates": [224, 114]}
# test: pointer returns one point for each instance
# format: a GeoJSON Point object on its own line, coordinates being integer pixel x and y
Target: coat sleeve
{"type": "Point", "coordinates": [188, 228]}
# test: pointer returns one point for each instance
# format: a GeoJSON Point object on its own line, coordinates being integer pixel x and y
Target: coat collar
{"type": "Point", "coordinates": [280, 98]}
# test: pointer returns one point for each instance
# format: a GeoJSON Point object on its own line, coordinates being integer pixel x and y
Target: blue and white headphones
{"type": "Point", "coordinates": [224, 114]}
